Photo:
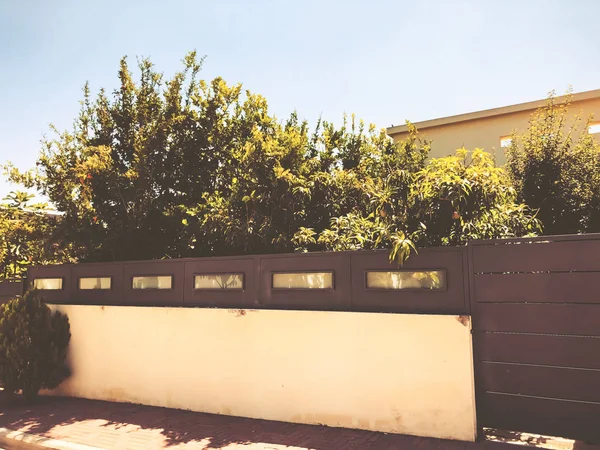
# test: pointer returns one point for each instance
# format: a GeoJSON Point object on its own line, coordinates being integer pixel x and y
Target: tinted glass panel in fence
{"type": "Point", "coordinates": [302, 280]}
{"type": "Point", "coordinates": [333, 270]}
{"type": "Point", "coordinates": [63, 272]}
{"type": "Point", "coordinates": [219, 281]}
{"type": "Point", "coordinates": [90, 283]}
{"type": "Point", "coordinates": [406, 279]}
{"type": "Point", "coordinates": [97, 275]}
{"type": "Point", "coordinates": [429, 282]}
{"type": "Point", "coordinates": [48, 284]}
{"type": "Point", "coordinates": [154, 282]}
{"type": "Point", "coordinates": [223, 282]}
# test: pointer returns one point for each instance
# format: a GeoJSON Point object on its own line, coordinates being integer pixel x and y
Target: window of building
{"type": "Point", "coordinates": [48, 284]}
{"type": "Point", "coordinates": [153, 282]}
{"type": "Point", "coordinates": [594, 128]}
{"type": "Point", "coordinates": [406, 279]}
{"type": "Point", "coordinates": [93, 283]}
{"type": "Point", "coordinates": [219, 281]}
{"type": "Point", "coordinates": [505, 141]}
{"type": "Point", "coordinates": [303, 280]}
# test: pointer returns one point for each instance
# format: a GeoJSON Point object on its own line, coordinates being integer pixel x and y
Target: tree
{"type": "Point", "coordinates": [185, 167]}
{"type": "Point", "coordinates": [555, 168]}
{"type": "Point", "coordinates": [33, 346]}
{"type": "Point", "coordinates": [27, 235]}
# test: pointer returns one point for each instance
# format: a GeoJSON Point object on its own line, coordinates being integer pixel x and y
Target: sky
{"type": "Point", "coordinates": [386, 61]}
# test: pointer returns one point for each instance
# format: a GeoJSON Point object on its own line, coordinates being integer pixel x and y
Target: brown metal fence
{"type": "Point", "coordinates": [348, 292]}
{"type": "Point", "coordinates": [10, 288]}
{"type": "Point", "coordinates": [535, 306]}
{"type": "Point", "coordinates": [536, 334]}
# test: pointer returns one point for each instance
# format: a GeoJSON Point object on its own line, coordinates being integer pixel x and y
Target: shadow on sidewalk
{"type": "Point", "coordinates": [538, 441]}
{"type": "Point", "coordinates": [181, 427]}
{"type": "Point", "coordinates": [50, 416]}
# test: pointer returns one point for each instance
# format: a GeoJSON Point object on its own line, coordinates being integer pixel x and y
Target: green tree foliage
{"type": "Point", "coordinates": [464, 197]}
{"type": "Point", "coordinates": [27, 235]}
{"type": "Point", "coordinates": [183, 167]}
{"type": "Point", "coordinates": [33, 346]}
{"type": "Point", "coordinates": [449, 201]}
{"type": "Point", "coordinates": [555, 167]}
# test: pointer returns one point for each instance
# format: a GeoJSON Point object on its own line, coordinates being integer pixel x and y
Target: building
{"type": "Point", "coordinates": [491, 129]}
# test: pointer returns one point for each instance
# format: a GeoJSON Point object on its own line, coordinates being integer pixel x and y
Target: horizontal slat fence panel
{"type": "Point", "coordinates": [538, 415]}
{"type": "Point", "coordinates": [559, 287]}
{"type": "Point", "coordinates": [564, 351]}
{"type": "Point", "coordinates": [542, 381]}
{"type": "Point", "coordinates": [555, 318]}
{"type": "Point", "coordinates": [536, 334]}
{"type": "Point", "coordinates": [554, 256]}
{"type": "Point", "coordinates": [551, 238]}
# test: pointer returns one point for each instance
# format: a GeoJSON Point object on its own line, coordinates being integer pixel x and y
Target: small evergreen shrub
{"type": "Point", "coordinates": [33, 346]}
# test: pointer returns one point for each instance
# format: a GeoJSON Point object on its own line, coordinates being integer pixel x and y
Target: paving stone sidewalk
{"type": "Point", "coordinates": [133, 427]}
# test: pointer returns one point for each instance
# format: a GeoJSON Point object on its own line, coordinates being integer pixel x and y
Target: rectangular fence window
{"type": "Point", "coordinates": [406, 279]}
{"type": "Point", "coordinates": [92, 283]}
{"type": "Point", "coordinates": [48, 284]}
{"type": "Point", "coordinates": [153, 282]}
{"type": "Point", "coordinates": [303, 280]}
{"type": "Point", "coordinates": [219, 281]}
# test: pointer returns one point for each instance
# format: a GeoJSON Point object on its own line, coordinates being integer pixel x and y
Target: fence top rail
{"type": "Point", "coordinates": [255, 256]}
{"type": "Point", "coordinates": [537, 239]}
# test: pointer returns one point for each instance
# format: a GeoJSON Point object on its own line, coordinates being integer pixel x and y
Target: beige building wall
{"type": "Point", "coordinates": [484, 129]}
{"type": "Point", "coordinates": [396, 373]}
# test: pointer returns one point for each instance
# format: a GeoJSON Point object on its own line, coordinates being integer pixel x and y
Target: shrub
{"type": "Point", "coordinates": [447, 202]}
{"type": "Point", "coordinates": [466, 196]}
{"type": "Point", "coordinates": [33, 346]}
{"type": "Point", "coordinates": [555, 167]}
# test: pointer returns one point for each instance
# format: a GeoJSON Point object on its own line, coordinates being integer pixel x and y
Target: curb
{"type": "Point", "coordinates": [18, 440]}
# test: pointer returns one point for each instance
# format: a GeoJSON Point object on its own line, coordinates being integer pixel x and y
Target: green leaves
{"type": "Point", "coordinates": [555, 168]}
{"type": "Point", "coordinates": [27, 235]}
{"type": "Point", "coordinates": [464, 197]}
{"type": "Point", "coordinates": [401, 248]}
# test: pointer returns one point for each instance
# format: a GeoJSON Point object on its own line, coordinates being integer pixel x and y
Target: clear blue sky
{"type": "Point", "coordinates": [387, 61]}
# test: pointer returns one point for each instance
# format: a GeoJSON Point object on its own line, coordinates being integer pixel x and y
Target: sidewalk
{"type": "Point", "coordinates": [134, 427]}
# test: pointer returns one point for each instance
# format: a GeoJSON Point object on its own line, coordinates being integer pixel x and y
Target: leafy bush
{"type": "Point", "coordinates": [555, 167]}
{"type": "Point", "coordinates": [33, 346]}
{"type": "Point", "coordinates": [447, 202]}
{"type": "Point", "coordinates": [466, 196]}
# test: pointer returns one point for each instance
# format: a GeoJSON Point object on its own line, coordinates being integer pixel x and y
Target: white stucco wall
{"type": "Point", "coordinates": [410, 374]}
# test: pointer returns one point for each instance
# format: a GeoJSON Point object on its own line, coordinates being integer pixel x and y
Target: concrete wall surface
{"type": "Point", "coordinates": [398, 373]}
